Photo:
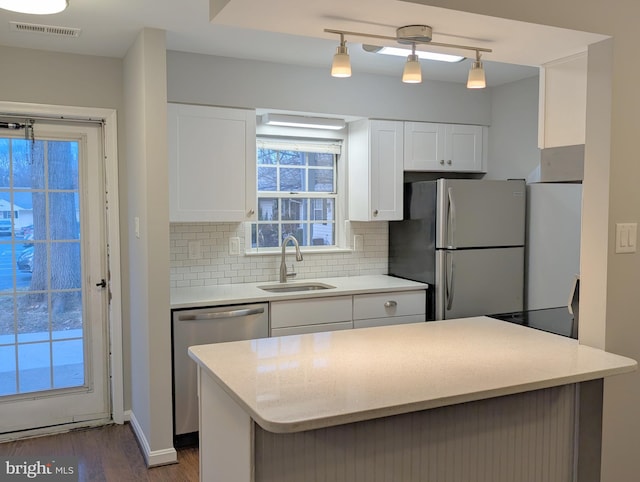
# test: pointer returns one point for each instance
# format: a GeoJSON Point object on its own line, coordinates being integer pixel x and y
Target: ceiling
{"type": "Point", "coordinates": [291, 31]}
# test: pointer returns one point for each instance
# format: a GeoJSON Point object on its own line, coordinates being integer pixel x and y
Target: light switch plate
{"type": "Point", "coordinates": [626, 237]}
{"type": "Point", "coordinates": [358, 242]}
{"type": "Point", "coordinates": [195, 249]}
{"type": "Point", "coordinates": [234, 246]}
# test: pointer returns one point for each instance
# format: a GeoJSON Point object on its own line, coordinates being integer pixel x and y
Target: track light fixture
{"type": "Point", "coordinates": [476, 78]}
{"type": "Point", "coordinates": [407, 35]}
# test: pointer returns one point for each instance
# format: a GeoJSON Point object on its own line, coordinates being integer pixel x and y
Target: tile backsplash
{"type": "Point", "coordinates": [212, 263]}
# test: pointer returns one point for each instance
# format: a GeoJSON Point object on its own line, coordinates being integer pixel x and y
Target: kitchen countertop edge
{"type": "Point", "coordinates": [244, 293]}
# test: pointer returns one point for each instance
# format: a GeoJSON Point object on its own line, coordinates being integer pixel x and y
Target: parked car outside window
{"type": "Point", "coordinates": [5, 227]}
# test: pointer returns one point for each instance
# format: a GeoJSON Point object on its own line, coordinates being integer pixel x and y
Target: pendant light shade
{"type": "Point", "coordinates": [412, 73]}
{"type": "Point", "coordinates": [476, 78]}
{"type": "Point", "coordinates": [341, 66]}
{"type": "Point", "coordinates": [36, 7]}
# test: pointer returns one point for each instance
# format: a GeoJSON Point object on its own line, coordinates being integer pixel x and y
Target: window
{"type": "Point", "coordinates": [297, 193]}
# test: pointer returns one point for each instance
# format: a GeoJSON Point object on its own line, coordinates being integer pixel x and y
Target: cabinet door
{"type": "Point", "coordinates": [464, 148]}
{"type": "Point", "coordinates": [386, 170]}
{"type": "Point", "coordinates": [375, 170]}
{"type": "Point", "coordinates": [424, 146]}
{"type": "Point", "coordinates": [212, 164]}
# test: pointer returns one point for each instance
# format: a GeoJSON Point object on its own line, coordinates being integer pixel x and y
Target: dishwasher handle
{"type": "Point", "coordinates": [214, 315]}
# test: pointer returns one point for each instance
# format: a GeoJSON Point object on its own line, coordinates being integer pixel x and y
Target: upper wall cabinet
{"type": "Point", "coordinates": [212, 164]}
{"type": "Point", "coordinates": [375, 170]}
{"type": "Point", "coordinates": [563, 102]}
{"type": "Point", "coordinates": [444, 147]}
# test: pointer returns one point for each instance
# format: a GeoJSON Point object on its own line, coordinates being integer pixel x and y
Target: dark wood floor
{"type": "Point", "coordinates": [108, 453]}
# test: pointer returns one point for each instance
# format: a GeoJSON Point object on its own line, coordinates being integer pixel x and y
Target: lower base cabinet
{"type": "Point", "coordinates": [313, 315]}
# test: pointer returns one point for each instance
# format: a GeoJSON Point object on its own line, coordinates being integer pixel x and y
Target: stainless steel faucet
{"type": "Point", "coordinates": [283, 266]}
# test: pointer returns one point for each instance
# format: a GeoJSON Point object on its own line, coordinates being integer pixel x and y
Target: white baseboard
{"type": "Point", "coordinates": [156, 457]}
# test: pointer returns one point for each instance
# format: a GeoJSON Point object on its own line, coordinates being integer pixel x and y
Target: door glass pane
{"type": "Point", "coordinates": [41, 316]}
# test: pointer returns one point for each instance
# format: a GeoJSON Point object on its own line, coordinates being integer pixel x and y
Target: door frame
{"type": "Point", "coordinates": [114, 309]}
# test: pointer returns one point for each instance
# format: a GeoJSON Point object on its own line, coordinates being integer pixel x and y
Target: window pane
{"type": "Point", "coordinates": [321, 180]}
{"type": "Point", "coordinates": [267, 156]}
{"type": "Point", "coordinates": [292, 180]}
{"type": "Point", "coordinates": [65, 266]}
{"type": "Point", "coordinates": [4, 163]}
{"type": "Point", "coordinates": [66, 316]}
{"type": "Point", "coordinates": [292, 158]}
{"type": "Point", "coordinates": [34, 367]}
{"type": "Point", "coordinates": [266, 237]}
{"type": "Point", "coordinates": [267, 179]}
{"type": "Point", "coordinates": [296, 230]}
{"type": "Point", "coordinates": [63, 165]}
{"type": "Point", "coordinates": [323, 234]}
{"type": "Point", "coordinates": [294, 209]}
{"type": "Point", "coordinates": [28, 164]}
{"type": "Point", "coordinates": [68, 364]}
{"type": "Point", "coordinates": [267, 209]}
{"type": "Point", "coordinates": [8, 371]}
{"type": "Point", "coordinates": [321, 159]}
{"type": "Point", "coordinates": [322, 209]}
{"type": "Point", "coordinates": [63, 216]}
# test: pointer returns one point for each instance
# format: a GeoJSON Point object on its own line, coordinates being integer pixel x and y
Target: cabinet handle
{"type": "Point", "coordinates": [442, 161]}
{"type": "Point", "coordinates": [449, 162]}
{"type": "Point", "coordinates": [391, 304]}
{"type": "Point", "coordinates": [251, 212]}
{"type": "Point", "coordinates": [375, 213]}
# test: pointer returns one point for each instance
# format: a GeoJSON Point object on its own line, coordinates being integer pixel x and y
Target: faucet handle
{"type": "Point", "coordinates": [292, 273]}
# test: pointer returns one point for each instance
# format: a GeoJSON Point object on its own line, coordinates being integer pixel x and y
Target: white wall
{"type": "Point", "coordinates": [210, 80]}
{"type": "Point", "coordinates": [148, 268]}
{"type": "Point", "coordinates": [513, 136]}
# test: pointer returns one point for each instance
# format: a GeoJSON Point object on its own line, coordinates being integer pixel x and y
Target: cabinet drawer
{"type": "Point", "coordinates": [393, 320]}
{"type": "Point", "coordinates": [381, 305]}
{"type": "Point", "coordinates": [301, 330]}
{"type": "Point", "coordinates": [312, 311]}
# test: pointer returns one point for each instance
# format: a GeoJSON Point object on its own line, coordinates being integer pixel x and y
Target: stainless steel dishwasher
{"type": "Point", "coordinates": [200, 327]}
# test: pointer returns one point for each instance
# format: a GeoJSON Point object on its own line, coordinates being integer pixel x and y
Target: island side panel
{"type": "Point", "coordinates": [226, 435]}
{"type": "Point", "coordinates": [527, 437]}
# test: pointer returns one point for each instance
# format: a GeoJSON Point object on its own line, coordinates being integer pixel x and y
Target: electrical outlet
{"type": "Point", "coordinates": [358, 242]}
{"type": "Point", "coordinates": [195, 249]}
{"type": "Point", "coordinates": [234, 246]}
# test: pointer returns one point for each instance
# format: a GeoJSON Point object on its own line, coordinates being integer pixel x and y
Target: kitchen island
{"type": "Point", "coordinates": [455, 400]}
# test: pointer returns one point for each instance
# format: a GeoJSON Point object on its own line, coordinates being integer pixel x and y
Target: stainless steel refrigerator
{"type": "Point", "coordinates": [466, 239]}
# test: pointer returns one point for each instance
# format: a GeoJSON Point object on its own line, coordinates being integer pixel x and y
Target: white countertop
{"type": "Point", "coordinates": [200, 296]}
{"type": "Point", "coordinates": [304, 382]}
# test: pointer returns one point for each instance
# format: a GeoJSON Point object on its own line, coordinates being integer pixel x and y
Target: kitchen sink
{"type": "Point", "coordinates": [290, 287]}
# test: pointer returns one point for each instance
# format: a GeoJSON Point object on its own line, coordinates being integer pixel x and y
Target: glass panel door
{"type": "Point", "coordinates": [53, 352]}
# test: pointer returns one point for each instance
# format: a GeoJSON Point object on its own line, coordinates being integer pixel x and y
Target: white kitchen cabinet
{"type": "Point", "coordinates": [563, 102]}
{"type": "Point", "coordinates": [393, 308]}
{"type": "Point", "coordinates": [375, 170]}
{"type": "Point", "coordinates": [303, 330]}
{"type": "Point", "coordinates": [212, 164]}
{"type": "Point", "coordinates": [313, 315]}
{"type": "Point", "coordinates": [309, 312]}
{"type": "Point", "coordinates": [444, 147]}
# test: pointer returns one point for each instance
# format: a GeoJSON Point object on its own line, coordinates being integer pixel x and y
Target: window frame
{"type": "Point", "coordinates": [301, 136]}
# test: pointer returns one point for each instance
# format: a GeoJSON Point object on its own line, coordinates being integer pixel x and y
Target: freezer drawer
{"type": "Point", "coordinates": [198, 327]}
{"type": "Point", "coordinates": [476, 282]}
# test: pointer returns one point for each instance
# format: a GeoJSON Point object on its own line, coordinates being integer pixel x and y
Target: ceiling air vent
{"type": "Point", "coordinates": [45, 29]}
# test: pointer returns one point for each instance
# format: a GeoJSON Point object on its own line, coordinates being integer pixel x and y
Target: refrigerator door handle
{"type": "Point", "coordinates": [450, 281]}
{"type": "Point", "coordinates": [451, 219]}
